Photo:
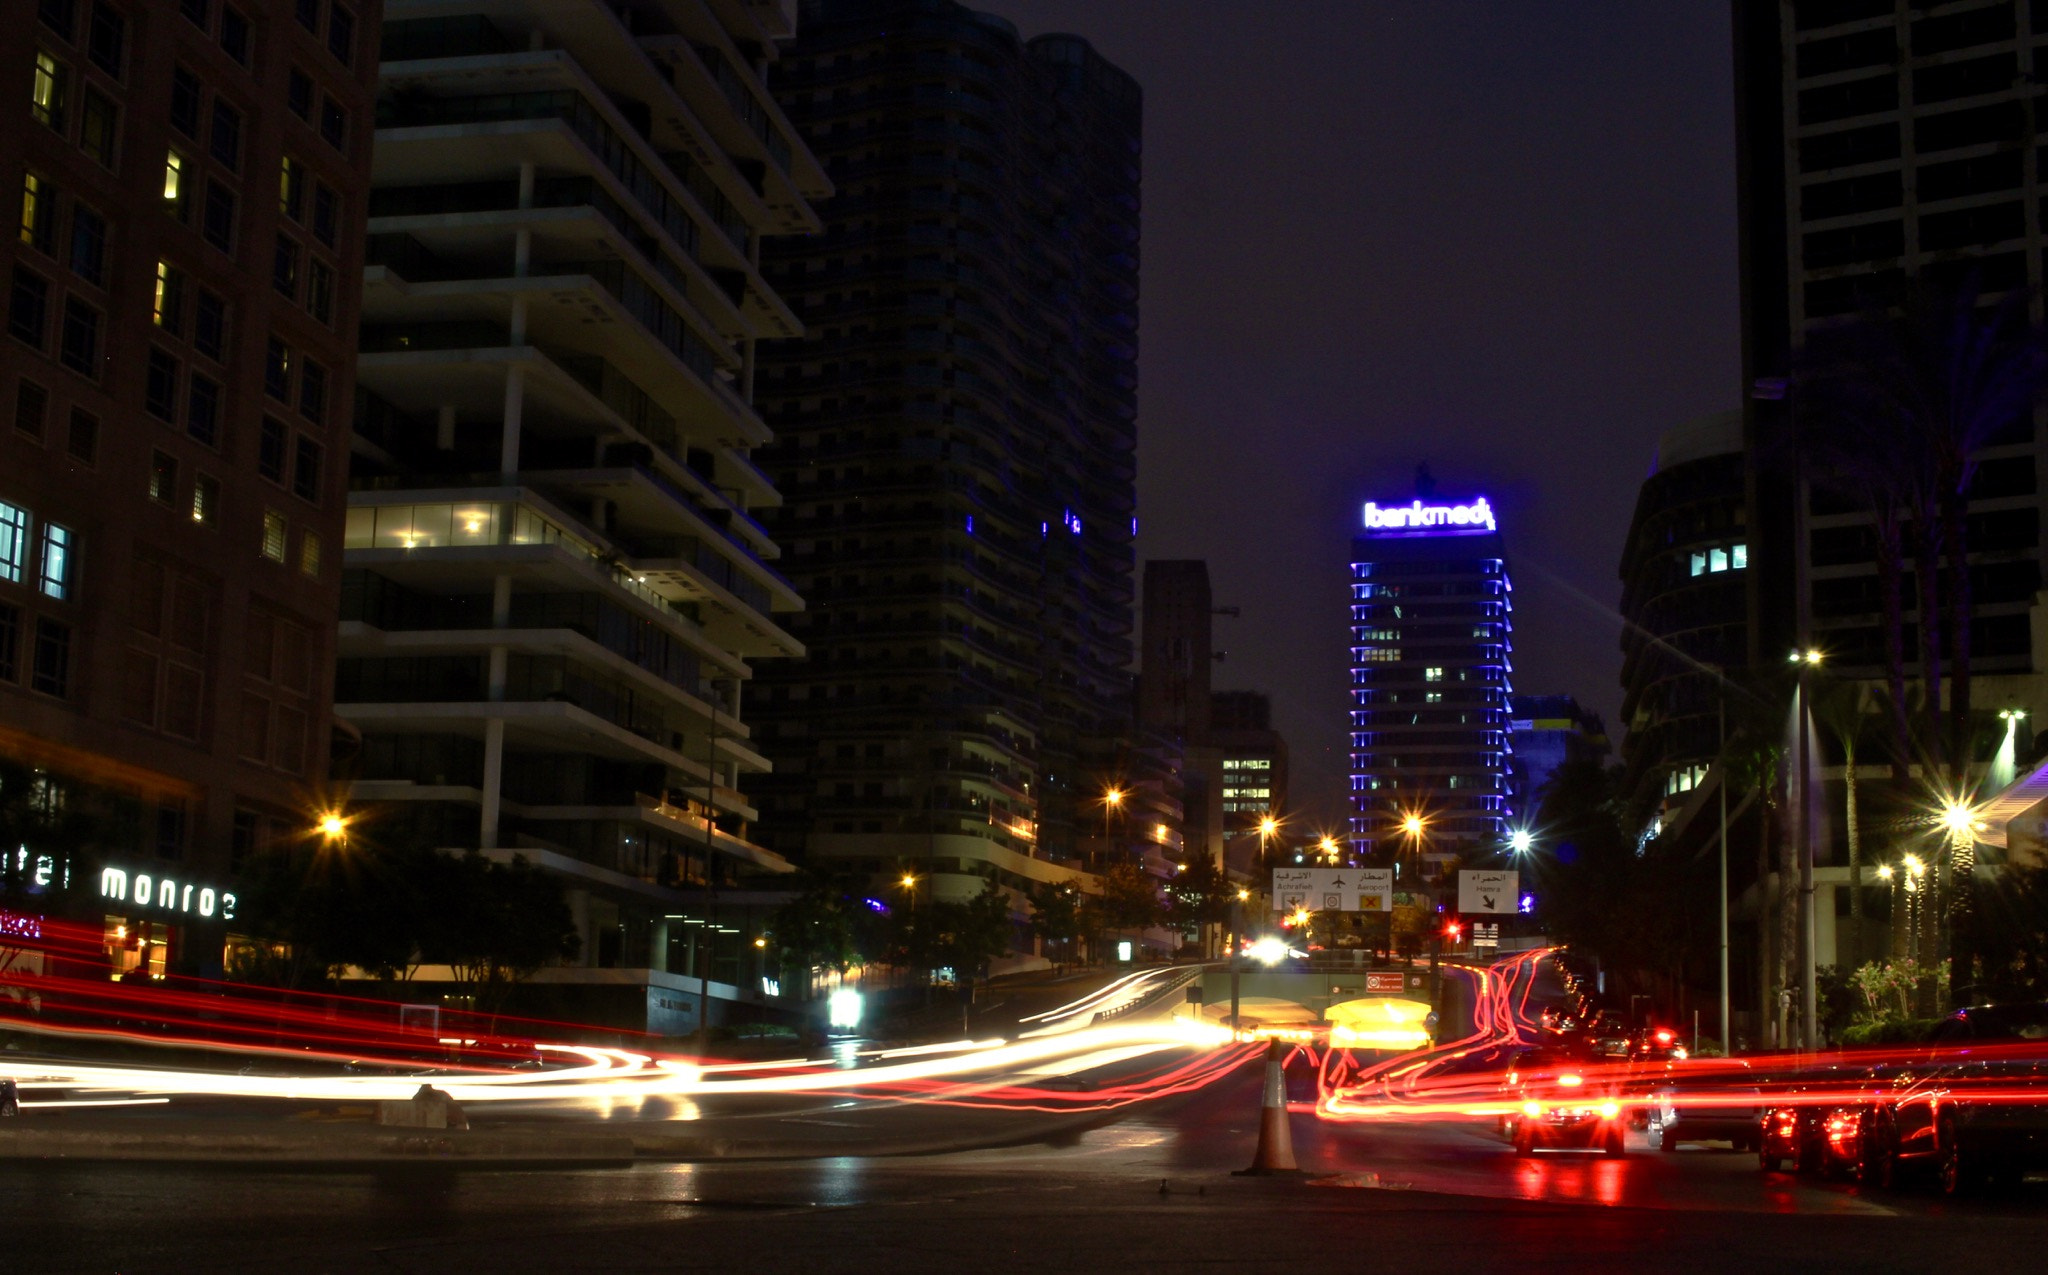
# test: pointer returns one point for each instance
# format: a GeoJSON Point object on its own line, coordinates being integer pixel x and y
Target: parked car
{"type": "Point", "coordinates": [1706, 1102]}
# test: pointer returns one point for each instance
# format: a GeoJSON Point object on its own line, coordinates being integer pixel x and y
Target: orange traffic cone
{"type": "Point", "coordinates": [1275, 1156]}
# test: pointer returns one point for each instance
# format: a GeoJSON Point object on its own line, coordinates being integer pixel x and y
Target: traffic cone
{"type": "Point", "coordinates": [1275, 1156]}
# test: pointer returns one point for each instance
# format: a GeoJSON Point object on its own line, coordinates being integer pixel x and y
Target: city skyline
{"type": "Point", "coordinates": [1283, 383]}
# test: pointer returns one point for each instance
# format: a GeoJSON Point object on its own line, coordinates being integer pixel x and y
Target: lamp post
{"type": "Point", "coordinates": [1809, 1008]}
{"type": "Point", "coordinates": [1236, 943]}
{"type": "Point", "coordinates": [1959, 818]}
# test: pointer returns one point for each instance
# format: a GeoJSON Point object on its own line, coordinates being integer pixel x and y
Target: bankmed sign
{"type": "Point", "coordinates": [1418, 518]}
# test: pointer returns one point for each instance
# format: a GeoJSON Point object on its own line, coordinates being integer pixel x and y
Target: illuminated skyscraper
{"type": "Point", "coordinates": [1431, 617]}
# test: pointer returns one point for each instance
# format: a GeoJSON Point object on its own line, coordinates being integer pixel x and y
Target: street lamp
{"type": "Point", "coordinates": [1328, 845]}
{"type": "Point", "coordinates": [333, 827]}
{"type": "Point", "coordinates": [1521, 841]}
{"type": "Point", "coordinates": [1809, 1005]}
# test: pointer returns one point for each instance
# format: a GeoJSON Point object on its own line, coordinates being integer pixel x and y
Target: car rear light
{"type": "Point", "coordinates": [1609, 1110]}
{"type": "Point", "coordinates": [1570, 1081]}
{"type": "Point", "coordinates": [1532, 1108]}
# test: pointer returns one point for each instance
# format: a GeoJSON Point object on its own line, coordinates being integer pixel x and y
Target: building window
{"type": "Point", "coordinates": [270, 444]}
{"type": "Point", "coordinates": [58, 15]}
{"type": "Point", "coordinates": [80, 347]}
{"type": "Point", "coordinates": [1432, 674]}
{"type": "Point", "coordinates": [217, 226]}
{"type": "Point", "coordinates": [98, 120]}
{"type": "Point", "coordinates": [10, 643]}
{"type": "Point", "coordinates": [49, 90]}
{"type": "Point", "coordinates": [13, 542]}
{"type": "Point", "coordinates": [28, 306]}
{"type": "Point", "coordinates": [320, 291]}
{"type": "Point", "coordinates": [306, 459]}
{"type": "Point", "coordinates": [160, 386]}
{"type": "Point", "coordinates": [326, 212]}
{"type": "Point", "coordinates": [309, 553]}
{"type": "Point", "coordinates": [284, 267]}
{"type": "Point", "coordinates": [195, 12]}
{"type": "Point", "coordinates": [308, 12]}
{"type": "Point", "coordinates": [277, 370]}
{"type": "Point", "coordinates": [51, 674]}
{"type": "Point", "coordinates": [225, 142]}
{"type": "Point", "coordinates": [202, 410]}
{"type": "Point", "coordinates": [1738, 557]}
{"type": "Point", "coordinates": [209, 325]}
{"type": "Point", "coordinates": [341, 35]}
{"type": "Point", "coordinates": [273, 535]}
{"type": "Point", "coordinates": [205, 499]}
{"type": "Point", "coordinates": [56, 558]}
{"type": "Point", "coordinates": [185, 100]}
{"type": "Point", "coordinates": [170, 828]}
{"type": "Point", "coordinates": [106, 38]}
{"type": "Point", "coordinates": [174, 184]}
{"type": "Point", "coordinates": [167, 310]}
{"type": "Point", "coordinates": [31, 406]}
{"type": "Point", "coordinates": [234, 34]}
{"type": "Point", "coordinates": [312, 390]}
{"type": "Point", "coordinates": [243, 838]}
{"type": "Point", "coordinates": [88, 245]}
{"type": "Point", "coordinates": [298, 94]}
{"type": "Point", "coordinates": [83, 439]}
{"type": "Point", "coordinates": [163, 477]}
{"type": "Point", "coordinates": [38, 212]}
{"type": "Point", "coordinates": [333, 123]}
{"type": "Point", "coordinates": [291, 188]}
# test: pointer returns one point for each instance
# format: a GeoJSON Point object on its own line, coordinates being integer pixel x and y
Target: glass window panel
{"type": "Point", "coordinates": [13, 542]}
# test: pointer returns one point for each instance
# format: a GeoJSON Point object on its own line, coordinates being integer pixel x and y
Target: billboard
{"type": "Point", "coordinates": [1488, 891]}
{"type": "Point", "coordinates": [1333, 889]}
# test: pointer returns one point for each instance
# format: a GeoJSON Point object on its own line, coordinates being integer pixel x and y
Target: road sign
{"type": "Point", "coordinates": [1488, 891]}
{"type": "Point", "coordinates": [1333, 889]}
{"type": "Point", "coordinates": [1392, 982]}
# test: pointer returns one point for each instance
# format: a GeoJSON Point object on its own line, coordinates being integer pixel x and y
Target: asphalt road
{"type": "Point", "coordinates": [1152, 1191]}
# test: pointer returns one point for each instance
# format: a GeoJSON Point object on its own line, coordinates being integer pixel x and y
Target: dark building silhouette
{"type": "Point", "coordinates": [1882, 146]}
{"type": "Point", "coordinates": [1546, 732]}
{"type": "Point", "coordinates": [188, 181]}
{"type": "Point", "coordinates": [955, 446]}
{"type": "Point", "coordinates": [1684, 598]}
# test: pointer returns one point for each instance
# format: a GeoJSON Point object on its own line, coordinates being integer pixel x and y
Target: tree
{"type": "Point", "coordinates": [493, 924]}
{"type": "Point", "coordinates": [965, 937]}
{"type": "Point", "coordinates": [1199, 895]}
{"type": "Point", "coordinates": [54, 834]}
{"type": "Point", "coordinates": [1130, 898]}
{"type": "Point", "coordinates": [1059, 916]}
{"type": "Point", "coordinates": [829, 924]}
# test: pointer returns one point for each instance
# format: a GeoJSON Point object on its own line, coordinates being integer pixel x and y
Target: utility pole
{"type": "Point", "coordinates": [710, 926]}
{"type": "Point", "coordinates": [1809, 1016]}
{"type": "Point", "coordinates": [1727, 1044]}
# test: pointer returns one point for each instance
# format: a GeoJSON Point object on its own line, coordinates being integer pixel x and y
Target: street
{"type": "Point", "coordinates": [1151, 1191]}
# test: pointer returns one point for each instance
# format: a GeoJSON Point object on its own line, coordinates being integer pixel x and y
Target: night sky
{"type": "Point", "coordinates": [1495, 235]}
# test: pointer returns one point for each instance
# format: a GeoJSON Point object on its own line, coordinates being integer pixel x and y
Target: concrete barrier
{"type": "Point", "coordinates": [429, 1108]}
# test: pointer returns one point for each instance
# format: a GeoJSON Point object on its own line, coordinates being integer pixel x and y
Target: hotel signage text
{"type": "Point", "coordinates": [1421, 519]}
{"type": "Point", "coordinates": [144, 890]}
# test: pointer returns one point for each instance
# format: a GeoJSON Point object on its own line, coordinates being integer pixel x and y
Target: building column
{"type": "Point", "coordinates": [657, 945]}
{"type": "Point", "coordinates": [494, 770]}
{"type": "Point", "coordinates": [515, 402]}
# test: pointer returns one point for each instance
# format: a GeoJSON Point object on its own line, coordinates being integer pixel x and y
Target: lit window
{"type": "Point", "coordinates": [1738, 557]}
{"type": "Point", "coordinates": [13, 541]}
{"type": "Point", "coordinates": [38, 212]}
{"type": "Point", "coordinates": [46, 94]}
{"type": "Point", "coordinates": [174, 182]}
{"type": "Point", "coordinates": [1717, 560]}
{"type": "Point", "coordinates": [168, 310]}
{"type": "Point", "coordinates": [1432, 674]}
{"type": "Point", "coordinates": [309, 553]}
{"type": "Point", "coordinates": [56, 573]}
{"type": "Point", "coordinates": [1699, 563]}
{"type": "Point", "coordinates": [205, 500]}
{"type": "Point", "coordinates": [163, 478]}
{"type": "Point", "coordinates": [273, 535]}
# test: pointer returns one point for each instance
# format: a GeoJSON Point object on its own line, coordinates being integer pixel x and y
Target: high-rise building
{"type": "Point", "coordinates": [188, 184]}
{"type": "Point", "coordinates": [1684, 596]}
{"type": "Point", "coordinates": [1432, 617]}
{"type": "Point", "coordinates": [1544, 733]}
{"type": "Point", "coordinates": [1175, 657]}
{"type": "Point", "coordinates": [1882, 144]}
{"type": "Point", "coordinates": [557, 583]}
{"type": "Point", "coordinates": [955, 444]}
{"type": "Point", "coordinates": [1252, 773]}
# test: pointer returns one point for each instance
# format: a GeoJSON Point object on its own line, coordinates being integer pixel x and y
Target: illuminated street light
{"type": "Point", "coordinates": [1521, 840]}
{"type": "Point", "coordinates": [1412, 824]}
{"type": "Point", "coordinates": [1268, 826]}
{"type": "Point", "coordinates": [909, 881]}
{"type": "Point", "coordinates": [1884, 872]}
{"type": "Point", "coordinates": [1114, 797]}
{"type": "Point", "coordinates": [333, 826]}
{"type": "Point", "coordinates": [1243, 895]}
